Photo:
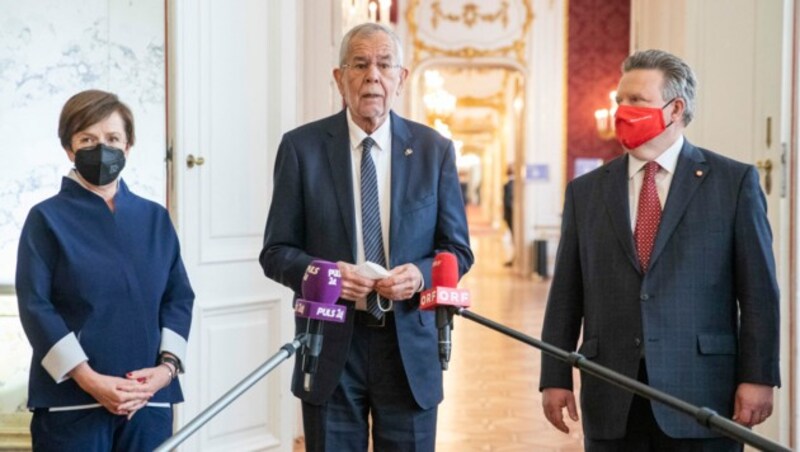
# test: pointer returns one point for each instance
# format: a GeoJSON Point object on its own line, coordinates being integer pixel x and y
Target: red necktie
{"type": "Point", "coordinates": [648, 216]}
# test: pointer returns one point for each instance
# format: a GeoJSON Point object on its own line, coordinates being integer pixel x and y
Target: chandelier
{"type": "Point", "coordinates": [356, 12]}
{"type": "Point", "coordinates": [438, 102]}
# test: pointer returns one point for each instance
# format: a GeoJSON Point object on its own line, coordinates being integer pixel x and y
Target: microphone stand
{"type": "Point", "coordinates": [286, 351]}
{"type": "Point", "coordinates": [704, 416]}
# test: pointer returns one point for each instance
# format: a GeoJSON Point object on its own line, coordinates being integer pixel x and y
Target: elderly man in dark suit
{"type": "Point", "coordinates": [666, 262]}
{"type": "Point", "coordinates": [368, 185]}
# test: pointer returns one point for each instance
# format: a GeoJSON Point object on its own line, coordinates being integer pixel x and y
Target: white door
{"type": "Point", "coordinates": [231, 95]}
{"type": "Point", "coordinates": [740, 52]}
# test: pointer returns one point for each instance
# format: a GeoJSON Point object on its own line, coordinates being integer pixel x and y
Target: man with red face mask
{"type": "Point", "coordinates": [666, 264]}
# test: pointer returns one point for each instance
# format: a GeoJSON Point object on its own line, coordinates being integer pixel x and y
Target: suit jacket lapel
{"type": "Point", "coordinates": [690, 172]}
{"type": "Point", "coordinates": [338, 150]}
{"type": "Point", "coordinates": [401, 164]}
{"type": "Point", "coordinates": [615, 194]}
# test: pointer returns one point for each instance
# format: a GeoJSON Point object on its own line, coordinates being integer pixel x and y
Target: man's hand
{"type": "Point", "coordinates": [402, 284]}
{"type": "Point", "coordinates": [553, 402]}
{"type": "Point", "coordinates": [354, 286]}
{"type": "Point", "coordinates": [117, 395]}
{"type": "Point", "coordinates": [753, 404]}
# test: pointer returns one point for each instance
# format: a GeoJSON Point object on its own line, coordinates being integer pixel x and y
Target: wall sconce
{"type": "Point", "coordinates": [356, 12]}
{"type": "Point", "coordinates": [604, 118]}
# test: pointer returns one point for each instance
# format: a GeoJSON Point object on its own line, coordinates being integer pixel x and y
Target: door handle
{"type": "Point", "coordinates": [191, 161]}
{"type": "Point", "coordinates": [766, 165]}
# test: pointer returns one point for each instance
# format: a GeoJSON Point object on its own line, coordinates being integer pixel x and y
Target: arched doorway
{"type": "Point", "coordinates": [480, 106]}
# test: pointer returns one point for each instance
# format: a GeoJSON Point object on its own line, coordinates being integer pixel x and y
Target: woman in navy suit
{"type": "Point", "coordinates": [103, 296]}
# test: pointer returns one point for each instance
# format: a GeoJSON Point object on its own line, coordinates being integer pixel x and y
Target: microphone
{"type": "Point", "coordinates": [444, 297]}
{"type": "Point", "coordinates": [321, 287]}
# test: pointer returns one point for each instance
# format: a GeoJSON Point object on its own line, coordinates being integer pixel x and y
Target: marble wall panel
{"type": "Point", "coordinates": [50, 50]}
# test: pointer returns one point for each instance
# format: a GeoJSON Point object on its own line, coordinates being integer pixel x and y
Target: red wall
{"type": "Point", "coordinates": [597, 44]}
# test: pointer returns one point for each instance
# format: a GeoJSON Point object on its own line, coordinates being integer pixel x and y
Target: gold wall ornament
{"type": "Point", "coordinates": [423, 47]}
{"type": "Point", "coordinates": [495, 101]}
{"type": "Point", "coordinates": [469, 14]}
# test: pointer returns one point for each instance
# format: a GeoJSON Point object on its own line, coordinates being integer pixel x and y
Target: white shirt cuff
{"type": "Point", "coordinates": [174, 343]}
{"type": "Point", "coordinates": [64, 356]}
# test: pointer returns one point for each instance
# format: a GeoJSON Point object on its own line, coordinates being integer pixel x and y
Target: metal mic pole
{"type": "Point", "coordinates": [704, 416]}
{"type": "Point", "coordinates": [286, 351]}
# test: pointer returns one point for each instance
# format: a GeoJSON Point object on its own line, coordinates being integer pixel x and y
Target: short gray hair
{"type": "Point", "coordinates": [366, 30]}
{"type": "Point", "coordinates": [679, 80]}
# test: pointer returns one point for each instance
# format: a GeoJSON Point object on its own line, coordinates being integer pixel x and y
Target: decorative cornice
{"type": "Point", "coordinates": [469, 16]}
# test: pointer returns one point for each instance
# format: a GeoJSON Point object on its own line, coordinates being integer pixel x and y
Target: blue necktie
{"type": "Point", "coordinates": [371, 219]}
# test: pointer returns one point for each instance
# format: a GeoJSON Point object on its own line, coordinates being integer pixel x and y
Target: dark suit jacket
{"type": "Point", "coordinates": [312, 217]}
{"type": "Point", "coordinates": [712, 258]}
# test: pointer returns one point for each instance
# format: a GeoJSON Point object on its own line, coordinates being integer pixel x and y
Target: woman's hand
{"type": "Point", "coordinates": [153, 379]}
{"type": "Point", "coordinates": [117, 395]}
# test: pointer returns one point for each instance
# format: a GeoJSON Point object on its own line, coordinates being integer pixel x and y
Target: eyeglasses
{"type": "Point", "coordinates": [385, 69]}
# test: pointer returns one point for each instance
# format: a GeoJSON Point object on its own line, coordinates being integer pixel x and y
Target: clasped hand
{"type": "Point", "coordinates": [122, 396]}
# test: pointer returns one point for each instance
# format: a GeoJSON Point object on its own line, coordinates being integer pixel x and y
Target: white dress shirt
{"type": "Point", "coordinates": [382, 157]}
{"type": "Point", "coordinates": [668, 160]}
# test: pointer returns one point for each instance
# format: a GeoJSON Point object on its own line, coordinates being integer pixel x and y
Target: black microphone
{"type": "Point", "coordinates": [321, 287]}
{"type": "Point", "coordinates": [444, 297]}
{"type": "Point", "coordinates": [444, 322]}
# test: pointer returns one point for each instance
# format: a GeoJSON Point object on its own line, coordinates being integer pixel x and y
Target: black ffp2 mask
{"type": "Point", "coordinates": [99, 164]}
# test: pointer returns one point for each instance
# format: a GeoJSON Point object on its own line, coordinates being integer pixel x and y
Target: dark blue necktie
{"type": "Point", "coordinates": [371, 219]}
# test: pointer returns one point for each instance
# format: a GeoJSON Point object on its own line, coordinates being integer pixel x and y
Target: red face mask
{"type": "Point", "coordinates": [636, 126]}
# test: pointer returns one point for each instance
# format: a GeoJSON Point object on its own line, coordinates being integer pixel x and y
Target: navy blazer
{"type": "Point", "coordinates": [712, 258]}
{"type": "Point", "coordinates": [114, 279]}
{"type": "Point", "coordinates": [312, 217]}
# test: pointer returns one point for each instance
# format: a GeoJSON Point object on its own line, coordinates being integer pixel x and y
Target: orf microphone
{"type": "Point", "coordinates": [444, 297]}
{"type": "Point", "coordinates": [321, 287]}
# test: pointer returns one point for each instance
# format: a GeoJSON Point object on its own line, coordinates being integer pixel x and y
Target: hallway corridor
{"type": "Point", "coordinates": [492, 401]}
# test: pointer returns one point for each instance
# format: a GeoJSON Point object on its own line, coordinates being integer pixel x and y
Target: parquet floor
{"type": "Point", "coordinates": [492, 401]}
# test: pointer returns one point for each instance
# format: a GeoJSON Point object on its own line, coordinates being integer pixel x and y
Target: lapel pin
{"type": "Point", "coordinates": [409, 151]}
{"type": "Point", "coordinates": [698, 173]}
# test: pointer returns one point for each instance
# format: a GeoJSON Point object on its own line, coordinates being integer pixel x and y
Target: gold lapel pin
{"type": "Point", "coordinates": [409, 151]}
{"type": "Point", "coordinates": [698, 173]}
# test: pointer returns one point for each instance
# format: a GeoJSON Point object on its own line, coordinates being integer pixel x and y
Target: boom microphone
{"type": "Point", "coordinates": [321, 287]}
{"type": "Point", "coordinates": [444, 297]}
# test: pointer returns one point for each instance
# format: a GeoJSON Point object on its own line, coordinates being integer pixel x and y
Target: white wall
{"type": "Point", "coordinates": [545, 128]}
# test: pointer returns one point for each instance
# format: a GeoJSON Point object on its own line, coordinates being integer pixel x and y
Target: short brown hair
{"type": "Point", "coordinates": [88, 108]}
